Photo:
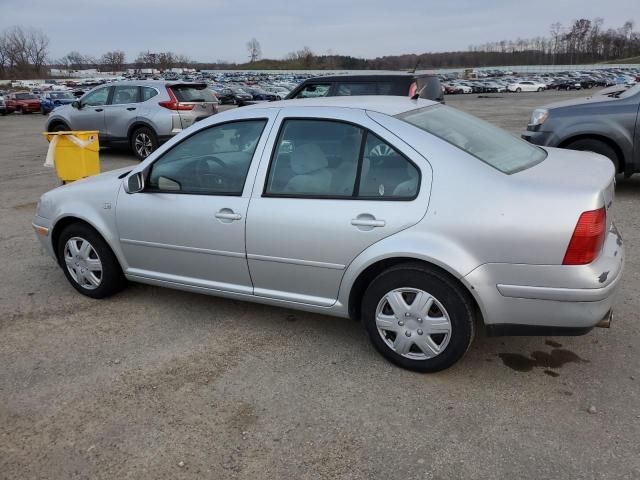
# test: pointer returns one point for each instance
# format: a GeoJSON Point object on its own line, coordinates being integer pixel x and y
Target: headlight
{"type": "Point", "coordinates": [538, 117]}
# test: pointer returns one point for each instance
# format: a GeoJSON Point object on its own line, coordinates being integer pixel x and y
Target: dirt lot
{"type": "Point", "coordinates": [157, 383]}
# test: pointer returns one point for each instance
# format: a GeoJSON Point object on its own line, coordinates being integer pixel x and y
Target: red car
{"type": "Point", "coordinates": [22, 102]}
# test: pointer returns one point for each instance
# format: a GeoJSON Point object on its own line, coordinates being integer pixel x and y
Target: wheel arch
{"type": "Point", "coordinates": [622, 162]}
{"type": "Point", "coordinates": [366, 276]}
{"type": "Point", "coordinates": [137, 124]}
{"type": "Point", "coordinates": [64, 222]}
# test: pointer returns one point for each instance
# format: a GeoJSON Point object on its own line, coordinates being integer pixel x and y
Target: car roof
{"type": "Point", "coordinates": [367, 76]}
{"type": "Point", "coordinates": [389, 105]}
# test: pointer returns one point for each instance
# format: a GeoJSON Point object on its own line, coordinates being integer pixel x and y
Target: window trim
{"type": "Point", "coordinates": [149, 168]}
{"type": "Point", "coordinates": [355, 192]}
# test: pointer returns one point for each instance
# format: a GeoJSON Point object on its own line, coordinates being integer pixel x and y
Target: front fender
{"type": "Point", "coordinates": [603, 128]}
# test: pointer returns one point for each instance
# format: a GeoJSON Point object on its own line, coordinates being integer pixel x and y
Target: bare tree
{"type": "Point", "coordinates": [255, 51]}
{"type": "Point", "coordinates": [114, 60]}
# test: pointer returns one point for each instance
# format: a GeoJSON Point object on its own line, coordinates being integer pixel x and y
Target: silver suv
{"type": "Point", "coordinates": [141, 114]}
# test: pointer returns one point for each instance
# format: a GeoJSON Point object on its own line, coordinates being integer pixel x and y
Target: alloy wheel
{"type": "Point", "coordinates": [143, 145]}
{"type": "Point", "coordinates": [83, 263]}
{"type": "Point", "coordinates": [413, 323]}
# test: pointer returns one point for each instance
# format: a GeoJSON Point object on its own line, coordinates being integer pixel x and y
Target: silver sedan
{"type": "Point", "coordinates": [421, 221]}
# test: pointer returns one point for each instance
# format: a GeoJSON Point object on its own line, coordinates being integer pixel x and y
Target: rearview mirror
{"type": "Point", "coordinates": [75, 104]}
{"type": "Point", "coordinates": [135, 183]}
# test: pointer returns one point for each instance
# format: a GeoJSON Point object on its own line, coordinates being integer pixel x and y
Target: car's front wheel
{"type": "Point", "coordinates": [418, 318]}
{"type": "Point", "coordinates": [518, 90]}
{"type": "Point", "coordinates": [143, 142]}
{"type": "Point", "coordinates": [88, 262]}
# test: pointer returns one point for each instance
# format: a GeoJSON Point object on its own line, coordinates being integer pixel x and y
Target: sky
{"type": "Point", "coordinates": [211, 30]}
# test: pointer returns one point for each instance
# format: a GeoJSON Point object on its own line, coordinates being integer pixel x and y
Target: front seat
{"type": "Point", "coordinates": [309, 164]}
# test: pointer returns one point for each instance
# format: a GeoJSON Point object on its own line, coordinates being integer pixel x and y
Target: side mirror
{"type": "Point", "coordinates": [135, 183]}
{"type": "Point", "coordinates": [75, 104]}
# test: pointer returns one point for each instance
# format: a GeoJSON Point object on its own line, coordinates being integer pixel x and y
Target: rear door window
{"type": "Point", "coordinates": [123, 94]}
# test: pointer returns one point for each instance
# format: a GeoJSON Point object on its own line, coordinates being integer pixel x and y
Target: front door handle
{"type": "Point", "coordinates": [98, 110]}
{"type": "Point", "coordinates": [131, 109]}
{"type": "Point", "coordinates": [227, 215]}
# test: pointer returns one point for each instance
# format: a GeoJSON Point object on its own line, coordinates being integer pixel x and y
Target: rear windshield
{"type": "Point", "coordinates": [430, 87]}
{"type": "Point", "coordinates": [481, 139]}
{"type": "Point", "coordinates": [189, 93]}
{"type": "Point", "coordinates": [25, 96]}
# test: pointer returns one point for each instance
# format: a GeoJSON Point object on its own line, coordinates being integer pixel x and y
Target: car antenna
{"type": "Point", "coordinates": [415, 67]}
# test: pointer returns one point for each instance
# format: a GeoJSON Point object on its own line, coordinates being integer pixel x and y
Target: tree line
{"type": "Point", "coordinates": [24, 53]}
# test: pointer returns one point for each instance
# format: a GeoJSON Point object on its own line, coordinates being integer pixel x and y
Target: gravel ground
{"type": "Point", "coordinates": [155, 383]}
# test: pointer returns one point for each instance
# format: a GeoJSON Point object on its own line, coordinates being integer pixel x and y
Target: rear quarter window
{"type": "Point", "coordinates": [186, 93]}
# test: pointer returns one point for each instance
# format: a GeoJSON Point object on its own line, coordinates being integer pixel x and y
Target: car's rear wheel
{"type": "Point", "coordinates": [42, 111]}
{"type": "Point", "coordinates": [418, 318]}
{"type": "Point", "coordinates": [596, 146]}
{"type": "Point", "coordinates": [518, 90]}
{"type": "Point", "coordinates": [539, 89]}
{"type": "Point", "coordinates": [88, 262]}
{"type": "Point", "coordinates": [143, 142]}
{"type": "Point", "coordinates": [60, 127]}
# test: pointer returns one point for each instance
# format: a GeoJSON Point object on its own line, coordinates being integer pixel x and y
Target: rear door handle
{"type": "Point", "coordinates": [228, 215]}
{"type": "Point", "coordinates": [131, 108]}
{"type": "Point", "coordinates": [357, 222]}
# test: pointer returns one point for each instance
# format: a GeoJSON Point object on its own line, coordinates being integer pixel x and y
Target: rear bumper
{"type": "Point", "coordinates": [550, 296]}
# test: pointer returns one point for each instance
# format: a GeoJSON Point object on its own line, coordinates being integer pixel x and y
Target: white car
{"type": "Point", "coordinates": [463, 87]}
{"type": "Point", "coordinates": [526, 86]}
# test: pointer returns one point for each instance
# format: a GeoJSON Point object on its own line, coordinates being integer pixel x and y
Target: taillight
{"type": "Point", "coordinates": [173, 104]}
{"type": "Point", "coordinates": [587, 239]}
{"type": "Point", "coordinates": [413, 88]}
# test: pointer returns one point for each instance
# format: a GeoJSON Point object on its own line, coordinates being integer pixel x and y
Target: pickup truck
{"type": "Point", "coordinates": [606, 125]}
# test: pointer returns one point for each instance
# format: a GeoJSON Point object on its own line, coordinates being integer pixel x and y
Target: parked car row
{"type": "Point", "coordinates": [496, 81]}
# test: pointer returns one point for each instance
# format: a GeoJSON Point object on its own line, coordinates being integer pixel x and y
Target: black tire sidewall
{"type": "Point", "coordinates": [454, 300]}
{"type": "Point", "coordinates": [112, 277]}
{"type": "Point", "coordinates": [152, 135]}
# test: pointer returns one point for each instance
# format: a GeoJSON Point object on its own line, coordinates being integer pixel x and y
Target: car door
{"type": "Point", "coordinates": [121, 111]}
{"type": "Point", "coordinates": [328, 188]}
{"type": "Point", "coordinates": [187, 227]}
{"type": "Point", "coordinates": [90, 114]}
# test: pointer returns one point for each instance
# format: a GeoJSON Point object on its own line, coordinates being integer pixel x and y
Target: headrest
{"type": "Point", "coordinates": [308, 158]}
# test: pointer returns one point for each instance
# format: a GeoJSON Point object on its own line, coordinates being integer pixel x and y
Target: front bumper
{"type": "Point", "coordinates": [541, 138]}
{"type": "Point", "coordinates": [554, 296]}
{"type": "Point", "coordinates": [42, 227]}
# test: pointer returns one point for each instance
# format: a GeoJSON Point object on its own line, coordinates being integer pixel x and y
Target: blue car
{"type": "Point", "coordinates": [51, 100]}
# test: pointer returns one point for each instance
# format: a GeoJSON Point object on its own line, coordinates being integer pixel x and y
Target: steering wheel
{"type": "Point", "coordinates": [381, 150]}
{"type": "Point", "coordinates": [205, 174]}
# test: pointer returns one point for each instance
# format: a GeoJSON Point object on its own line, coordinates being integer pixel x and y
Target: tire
{"type": "Point", "coordinates": [596, 146]}
{"type": "Point", "coordinates": [86, 278]}
{"type": "Point", "coordinates": [416, 282]}
{"type": "Point", "coordinates": [144, 142]}
{"type": "Point", "coordinates": [60, 127]}
{"type": "Point", "coordinates": [539, 89]}
{"type": "Point", "coordinates": [568, 88]}
{"type": "Point", "coordinates": [42, 111]}
{"type": "Point", "coordinates": [518, 90]}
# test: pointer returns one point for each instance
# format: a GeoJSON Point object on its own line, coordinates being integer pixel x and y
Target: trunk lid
{"type": "Point", "coordinates": [587, 179]}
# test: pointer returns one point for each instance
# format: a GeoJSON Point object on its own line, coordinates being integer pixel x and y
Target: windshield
{"type": "Point", "coordinates": [481, 139]}
{"type": "Point", "coordinates": [631, 92]}
{"type": "Point", "coordinates": [25, 96]}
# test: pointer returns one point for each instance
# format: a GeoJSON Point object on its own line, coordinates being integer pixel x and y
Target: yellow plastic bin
{"type": "Point", "coordinates": [75, 155]}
